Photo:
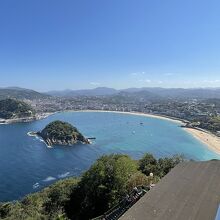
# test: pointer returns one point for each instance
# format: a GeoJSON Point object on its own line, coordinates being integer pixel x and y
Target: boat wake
{"type": "Point", "coordinates": [36, 185]}
{"type": "Point", "coordinates": [49, 178]}
{"type": "Point", "coordinates": [63, 175]}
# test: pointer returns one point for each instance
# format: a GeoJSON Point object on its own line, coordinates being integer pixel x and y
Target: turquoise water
{"type": "Point", "coordinates": [27, 165]}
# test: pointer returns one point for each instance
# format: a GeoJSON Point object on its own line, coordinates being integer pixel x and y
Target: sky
{"type": "Point", "coordinates": [77, 44]}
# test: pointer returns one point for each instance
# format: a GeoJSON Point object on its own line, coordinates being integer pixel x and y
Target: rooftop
{"type": "Point", "coordinates": [190, 191]}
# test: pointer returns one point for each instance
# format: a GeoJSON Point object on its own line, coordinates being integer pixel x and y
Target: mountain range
{"type": "Point", "coordinates": [155, 92]}
{"type": "Point", "coordinates": [21, 93]}
{"type": "Point", "coordinates": [137, 93]}
{"type": "Point", "coordinates": [100, 91]}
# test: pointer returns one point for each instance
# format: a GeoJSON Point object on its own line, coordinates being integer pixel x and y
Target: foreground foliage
{"type": "Point", "coordinates": [148, 164]}
{"type": "Point", "coordinates": [46, 204]}
{"type": "Point", "coordinates": [108, 180]}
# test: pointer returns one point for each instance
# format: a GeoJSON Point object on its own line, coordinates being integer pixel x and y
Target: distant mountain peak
{"type": "Point", "coordinates": [20, 93]}
{"type": "Point", "coordinates": [99, 91]}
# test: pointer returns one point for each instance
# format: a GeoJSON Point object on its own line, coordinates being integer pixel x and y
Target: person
{"type": "Point", "coordinates": [135, 189]}
{"type": "Point", "coordinates": [126, 199]}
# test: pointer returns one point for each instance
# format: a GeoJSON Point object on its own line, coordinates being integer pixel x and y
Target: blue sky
{"type": "Point", "coordinates": [74, 44]}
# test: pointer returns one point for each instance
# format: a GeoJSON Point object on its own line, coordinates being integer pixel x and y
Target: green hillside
{"type": "Point", "coordinates": [11, 108]}
{"type": "Point", "coordinates": [99, 189]}
{"type": "Point", "coordinates": [20, 93]}
{"type": "Point", "coordinates": [61, 133]}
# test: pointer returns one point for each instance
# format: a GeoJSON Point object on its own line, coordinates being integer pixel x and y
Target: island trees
{"type": "Point", "coordinates": [61, 133]}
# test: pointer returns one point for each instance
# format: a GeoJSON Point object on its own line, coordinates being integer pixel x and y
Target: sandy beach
{"type": "Point", "coordinates": [138, 114]}
{"type": "Point", "coordinates": [210, 140]}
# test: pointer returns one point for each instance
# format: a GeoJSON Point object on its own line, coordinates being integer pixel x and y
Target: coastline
{"type": "Point", "coordinates": [178, 121]}
{"type": "Point", "coordinates": [210, 140]}
{"type": "Point", "coordinates": [34, 134]}
{"type": "Point", "coordinates": [26, 119]}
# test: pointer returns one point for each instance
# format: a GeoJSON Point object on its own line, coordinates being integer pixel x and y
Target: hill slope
{"type": "Point", "coordinates": [61, 133]}
{"type": "Point", "coordinates": [20, 93]}
{"type": "Point", "coordinates": [11, 108]}
{"type": "Point", "coordinates": [147, 93]}
{"type": "Point", "coordinates": [100, 91]}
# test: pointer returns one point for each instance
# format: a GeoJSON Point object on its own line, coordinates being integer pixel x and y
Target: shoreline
{"type": "Point", "coordinates": [211, 141]}
{"type": "Point", "coordinates": [34, 134]}
{"type": "Point", "coordinates": [25, 120]}
{"type": "Point", "coordinates": [176, 120]}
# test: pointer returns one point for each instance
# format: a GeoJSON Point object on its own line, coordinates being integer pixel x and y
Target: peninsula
{"type": "Point", "coordinates": [61, 133]}
{"type": "Point", "coordinates": [12, 110]}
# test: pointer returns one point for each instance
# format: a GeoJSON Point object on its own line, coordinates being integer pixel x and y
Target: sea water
{"type": "Point", "coordinates": [27, 165]}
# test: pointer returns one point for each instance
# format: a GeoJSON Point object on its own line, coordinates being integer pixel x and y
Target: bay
{"type": "Point", "coordinates": [27, 165]}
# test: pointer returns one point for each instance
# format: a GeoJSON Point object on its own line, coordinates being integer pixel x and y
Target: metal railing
{"type": "Point", "coordinates": [117, 211]}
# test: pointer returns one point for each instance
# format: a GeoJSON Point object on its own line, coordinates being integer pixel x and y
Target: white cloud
{"type": "Point", "coordinates": [94, 83]}
{"type": "Point", "coordinates": [144, 80]}
{"type": "Point", "coordinates": [138, 73]}
{"type": "Point", "coordinates": [212, 81]}
{"type": "Point", "coordinates": [168, 74]}
{"type": "Point", "coordinates": [147, 80]}
{"type": "Point", "coordinates": [134, 74]}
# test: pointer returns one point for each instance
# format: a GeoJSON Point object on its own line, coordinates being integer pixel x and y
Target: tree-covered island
{"type": "Point", "coordinates": [61, 133]}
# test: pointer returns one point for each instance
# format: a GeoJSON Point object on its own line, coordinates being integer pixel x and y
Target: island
{"type": "Point", "coordinates": [61, 133]}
